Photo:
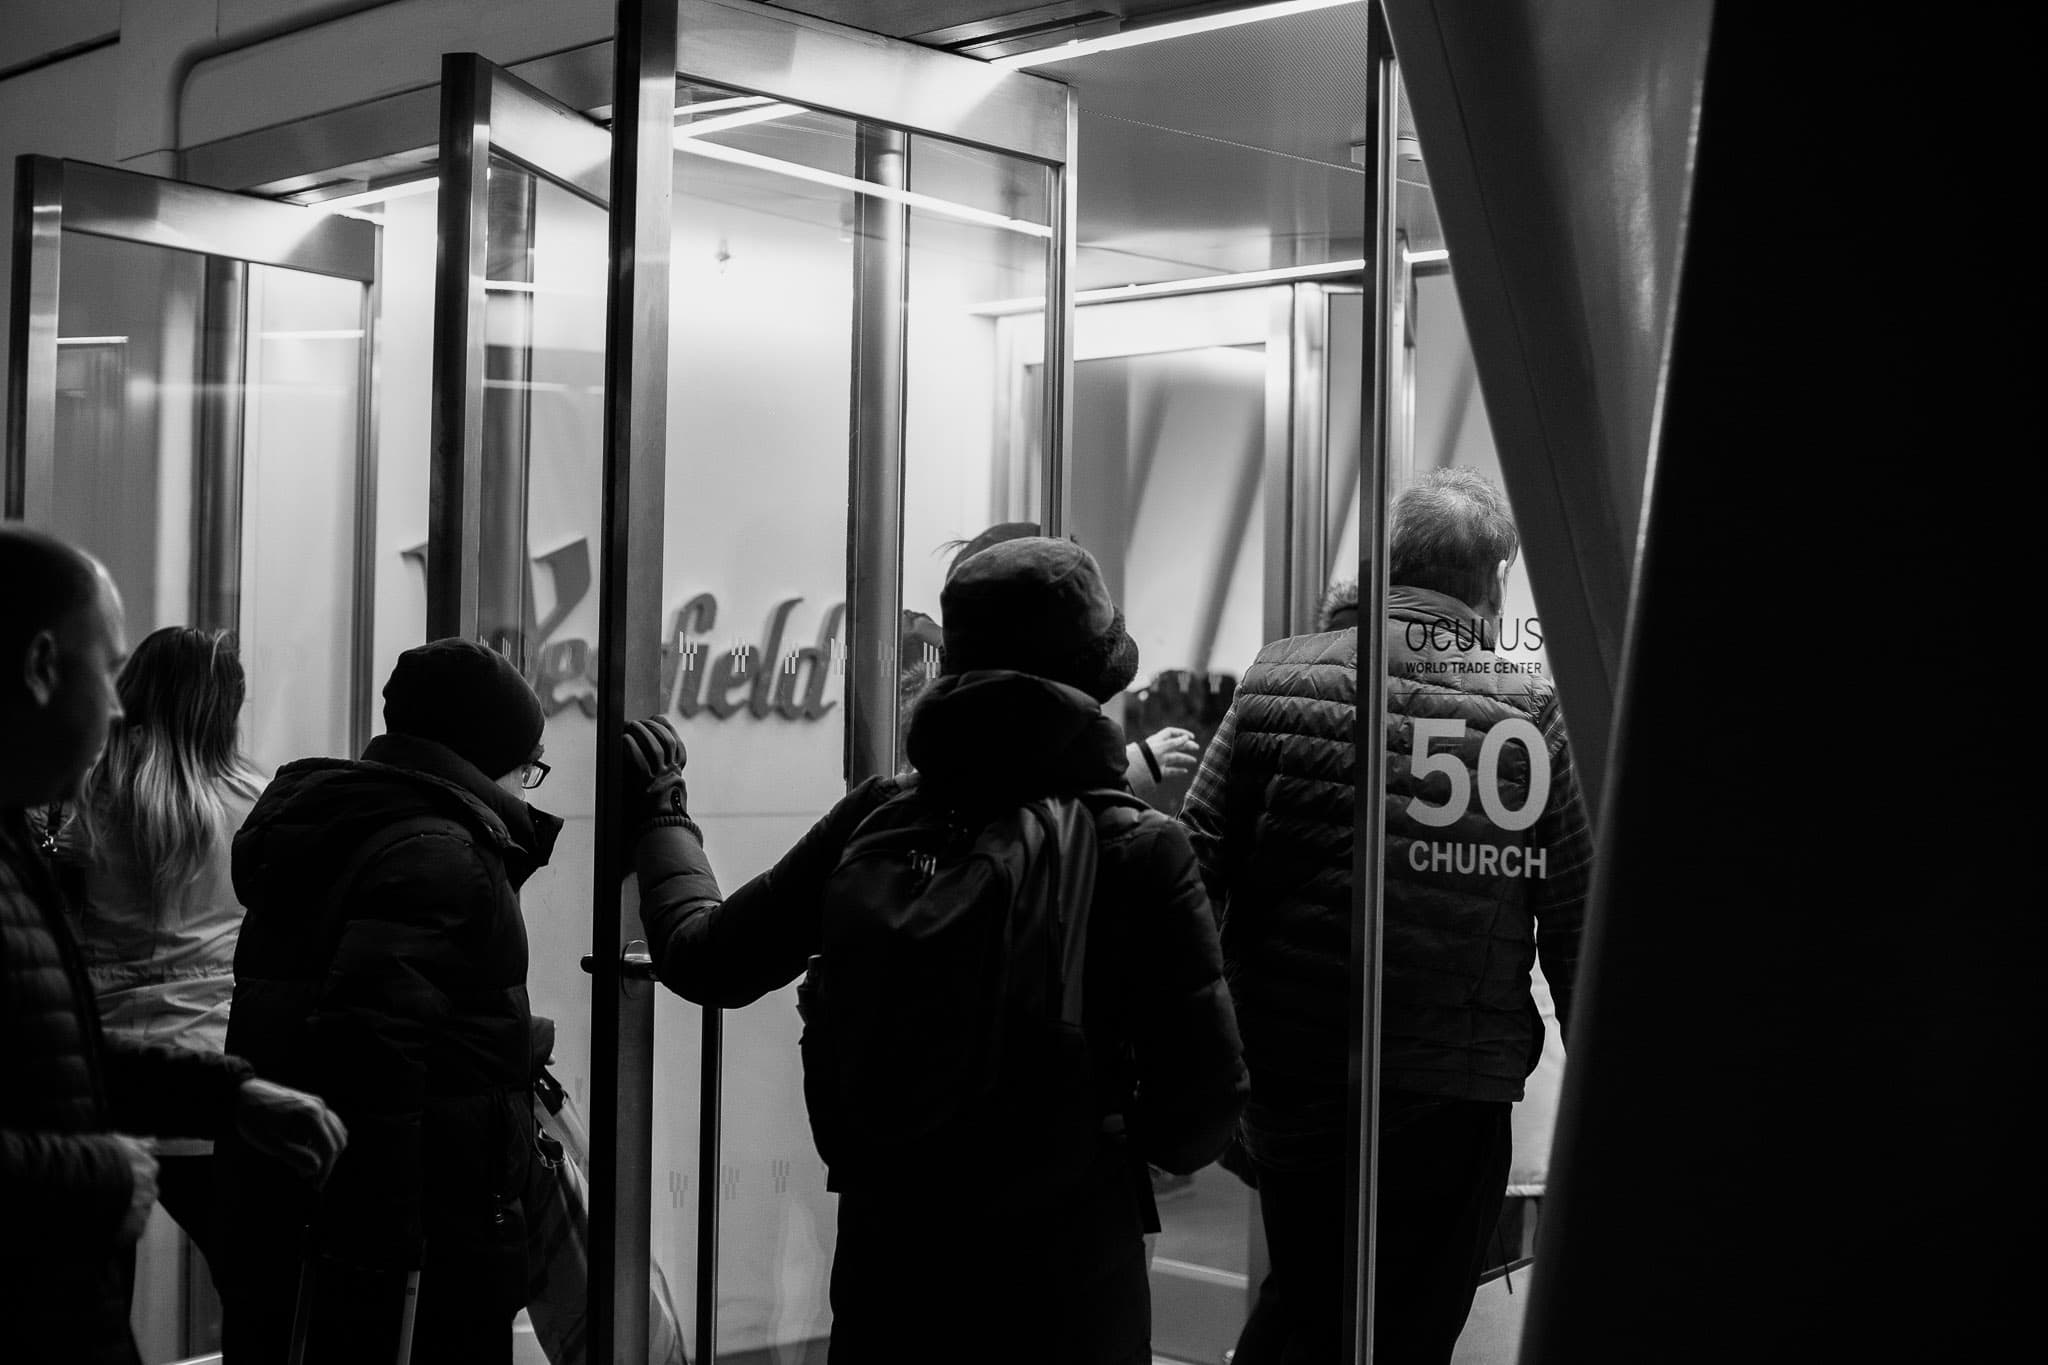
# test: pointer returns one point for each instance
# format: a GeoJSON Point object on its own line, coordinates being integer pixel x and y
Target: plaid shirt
{"type": "Point", "coordinates": [1559, 899]}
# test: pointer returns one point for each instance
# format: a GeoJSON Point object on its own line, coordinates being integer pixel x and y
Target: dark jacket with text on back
{"type": "Point", "coordinates": [915, 1266]}
{"type": "Point", "coordinates": [65, 1187]}
{"type": "Point", "coordinates": [382, 966]}
{"type": "Point", "coordinates": [1463, 900]}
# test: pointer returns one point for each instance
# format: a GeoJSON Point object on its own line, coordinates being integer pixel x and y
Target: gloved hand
{"type": "Point", "coordinates": [653, 777]}
{"type": "Point", "coordinates": [291, 1126]}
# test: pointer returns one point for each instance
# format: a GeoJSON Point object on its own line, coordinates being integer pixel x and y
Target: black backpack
{"type": "Point", "coordinates": [943, 1014]}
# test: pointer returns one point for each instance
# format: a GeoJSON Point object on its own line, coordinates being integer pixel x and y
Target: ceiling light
{"type": "Point", "coordinates": [1200, 284]}
{"type": "Point", "coordinates": [1159, 33]}
{"type": "Point", "coordinates": [718, 151]}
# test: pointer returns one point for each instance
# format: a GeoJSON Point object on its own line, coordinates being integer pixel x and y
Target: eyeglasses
{"type": "Point", "coordinates": [533, 774]}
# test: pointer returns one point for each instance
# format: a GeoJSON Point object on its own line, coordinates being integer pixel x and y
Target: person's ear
{"type": "Point", "coordinates": [42, 669]}
{"type": "Point", "coordinates": [1500, 586]}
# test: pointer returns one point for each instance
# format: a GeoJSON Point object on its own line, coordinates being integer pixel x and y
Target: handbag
{"type": "Point", "coordinates": [558, 1240]}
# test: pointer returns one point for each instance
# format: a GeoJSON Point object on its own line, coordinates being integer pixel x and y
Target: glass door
{"type": "Point", "coordinates": [696, 454]}
{"type": "Point", "coordinates": [188, 399]}
{"type": "Point", "coordinates": [190, 375]}
{"type": "Point", "coordinates": [847, 209]}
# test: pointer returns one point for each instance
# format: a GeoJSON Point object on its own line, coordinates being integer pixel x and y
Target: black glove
{"type": "Point", "coordinates": [653, 777]}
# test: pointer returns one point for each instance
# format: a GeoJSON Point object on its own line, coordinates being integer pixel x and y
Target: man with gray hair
{"type": "Point", "coordinates": [1486, 840]}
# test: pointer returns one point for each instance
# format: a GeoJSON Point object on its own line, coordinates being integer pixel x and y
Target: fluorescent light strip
{"type": "Point", "coordinates": [1200, 284]}
{"type": "Point", "coordinates": [92, 341]}
{"type": "Point", "coordinates": [1428, 257]}
{"type": "Point", "coordinates": [766, 113]}
{"type": "Point", "coordinates": [332, 334]}
{"type": "Point", "coordinates": [945, 207]}
{"type": "Point", "coordinates": [1159, 33]}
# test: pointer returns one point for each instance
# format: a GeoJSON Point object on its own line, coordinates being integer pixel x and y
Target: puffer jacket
{"type": "Point", "coordinates": [64, 1184]}
{"type": "Point", "coordinates": [382, 966]}
{"type": "Point", "coordinates": [1459, 933]}
{"type": "Point", "coordinates": [915, 1271]}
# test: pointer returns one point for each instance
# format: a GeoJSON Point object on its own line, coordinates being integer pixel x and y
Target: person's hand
{"type": "Point", "coordinates": [1176, 751]}
{"type": "Point", "coordinates": [290, 1126]}
{"type": "Point", "coordinates": [141, 1155]}
{"type": "Point", "coordinates": [653, 776]}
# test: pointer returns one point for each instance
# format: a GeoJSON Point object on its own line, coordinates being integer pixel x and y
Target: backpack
{"type": "Point", "coordinates": [942, 1016]}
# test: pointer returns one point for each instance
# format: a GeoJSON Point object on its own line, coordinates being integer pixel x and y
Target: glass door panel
{"type": "Point", "coordinates": [834, 354]}
{"type": "Point", "coordinates": [190, 408]}
{"type": "Point", "coordinates": [978, 241]}
{"type": "Point", "coordinates": [761, 345]}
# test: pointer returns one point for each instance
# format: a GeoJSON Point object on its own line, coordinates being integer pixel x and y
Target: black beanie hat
{"type": "Point", "coordinates": [468, 697]}
{"type": "Point", "coordinates": [1038, 606]}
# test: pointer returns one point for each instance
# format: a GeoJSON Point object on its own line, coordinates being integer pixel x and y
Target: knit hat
{"type": "Point", "coordinates": [1038, 606]}
{"type": "Point", "coordinates": [468, 697]}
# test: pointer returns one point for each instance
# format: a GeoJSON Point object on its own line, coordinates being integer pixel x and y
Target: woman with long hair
{"type": "Point", "coordinates": [158, 917]}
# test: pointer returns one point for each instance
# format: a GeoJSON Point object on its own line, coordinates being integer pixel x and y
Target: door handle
{"type": "Point", "coordinates": [635, 962]}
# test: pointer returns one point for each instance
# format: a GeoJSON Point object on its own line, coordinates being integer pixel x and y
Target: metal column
{"type": "Point", "coordinates": [455, 472]}
{"type": "Point", "coordinates": [874, 530]}
{"type": "Point", "coordinates": [1369, 735]}
{"type": "Point", "coordinates": [629, 663]}
{"type": "Point", "coordinates": [216, 597]}
{"type": "Point", "coordinates": [1058, 389]}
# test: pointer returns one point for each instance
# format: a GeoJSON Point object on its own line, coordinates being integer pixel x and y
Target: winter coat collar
{"type": "Point", "coordinates": [524, 834]}
{"type": "Point", "coordinates": [1004, 734]}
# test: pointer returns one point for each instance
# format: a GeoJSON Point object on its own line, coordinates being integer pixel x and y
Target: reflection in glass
{"type": "Point", "coordinates": [754, 587]}
{"type": "Point", "coordinates": [208, 416]}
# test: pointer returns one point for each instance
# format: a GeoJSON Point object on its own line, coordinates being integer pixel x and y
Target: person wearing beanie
{"type": "Point", "coordinates": [382, 965]}
{"type": "Point", "coordinates": [1150, 763]}
{"type": "Point", "coordinates": [929, 1261]}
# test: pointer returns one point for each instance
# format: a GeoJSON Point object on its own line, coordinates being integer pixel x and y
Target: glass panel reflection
{"type": "Point", "coordinates": [754, 587]}
{"type": "Point", "coordinates": [208, 417]}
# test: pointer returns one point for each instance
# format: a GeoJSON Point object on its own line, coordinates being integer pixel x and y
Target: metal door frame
{"type": "Point", "coordinates": [232, 231]}
{"type": "Point", "coordinates": [485, 111]}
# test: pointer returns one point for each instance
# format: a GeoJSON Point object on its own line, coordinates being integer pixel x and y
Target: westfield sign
{"type": "Point", "coordinates": [700, 673]}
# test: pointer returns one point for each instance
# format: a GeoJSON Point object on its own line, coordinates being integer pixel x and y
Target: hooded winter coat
{"type": "Point", "coordinates": [928, 1270]}
{"type": "Point", "coordinates": [382, 966]}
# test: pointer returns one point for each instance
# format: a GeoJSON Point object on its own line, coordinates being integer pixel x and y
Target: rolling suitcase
{"type": "Point", "coordinates": [302, 1312]}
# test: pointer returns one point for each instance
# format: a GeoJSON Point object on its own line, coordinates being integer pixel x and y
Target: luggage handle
{"type": "Point", "coordinates": [302, 1309]}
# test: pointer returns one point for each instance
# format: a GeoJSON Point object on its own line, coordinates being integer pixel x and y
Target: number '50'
{"type": "Point", "coordinates": [1498, 737]}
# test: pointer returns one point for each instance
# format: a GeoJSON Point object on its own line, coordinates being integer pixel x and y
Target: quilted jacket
{"type": "Point", "coordinates": [1462, 900]}
{"type": "Point", "coordinates": [64, 1184]}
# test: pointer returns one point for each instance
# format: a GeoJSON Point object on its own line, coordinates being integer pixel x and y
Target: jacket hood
{"type": "Point", "coordinates": [318, 812]}
{"type": "Point", "coordinates": [1002, 734]}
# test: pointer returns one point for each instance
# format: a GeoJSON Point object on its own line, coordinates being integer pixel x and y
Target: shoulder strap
{"type": "Point", "coordinates": [1071, 839]}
